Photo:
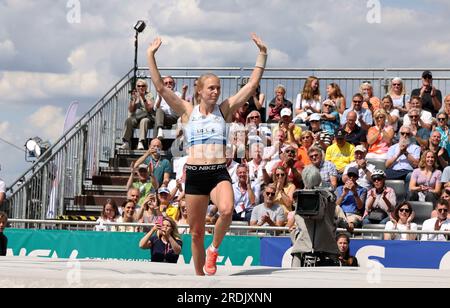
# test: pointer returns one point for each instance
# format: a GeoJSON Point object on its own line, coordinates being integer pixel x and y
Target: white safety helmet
{"type": "Point", "coordinates": [378, 173]}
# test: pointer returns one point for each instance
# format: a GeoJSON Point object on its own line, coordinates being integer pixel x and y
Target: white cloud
{"type": "Point", "coordinates": [7, 50]}
{"type": "Point", "coordinates": [20, 4]}
{"type": "Point", "coordinates": [48, 121]}
{"type": "Point", "coordinates": [25, 87]}
{"type": "Point", "coordinates": [4, 128]}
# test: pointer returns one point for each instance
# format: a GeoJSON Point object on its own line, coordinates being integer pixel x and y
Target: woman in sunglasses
{"type": "Point", "coordinates": [401, 220]}
{"type": "Point", "coordinates": [284, 189]}
{"type": "Point", "coordinates": [380, 201]}
{"type": "Point", "coordinates": [399, 97]}
{"type": "Point", "coordinates": [379, 136]}
{"type": "Point", "coordinates": [442, 128]}
{"type": "Point", "coordinates": [256, 132]}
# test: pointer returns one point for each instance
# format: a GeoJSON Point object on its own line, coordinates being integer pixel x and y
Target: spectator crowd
{"type": "Point", "coordinates": [362, 145]}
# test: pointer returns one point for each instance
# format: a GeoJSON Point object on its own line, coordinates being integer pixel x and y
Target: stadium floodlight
{"type": "Point", "coordinates": [34, 148]}
{"type": "Point", "coordinates": [139, 27]}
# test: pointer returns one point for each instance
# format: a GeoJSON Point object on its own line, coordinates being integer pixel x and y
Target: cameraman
{"type": "Point", "coordinates": [313, 238]}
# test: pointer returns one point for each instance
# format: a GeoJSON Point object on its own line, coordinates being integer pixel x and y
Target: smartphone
{"type": "Point", "coordinates": [159, 220]}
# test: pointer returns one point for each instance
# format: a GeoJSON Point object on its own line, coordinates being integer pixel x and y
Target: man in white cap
{"type": "Point", "coordinates": [365, 169]}
{"type": "Point", "coordinates": [293, 132]}
{"type": "Point", "coordinates": [166, 203]}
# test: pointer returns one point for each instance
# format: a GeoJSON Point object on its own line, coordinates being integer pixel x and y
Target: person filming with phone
{"type": "Point", "coordinates": [163, 240]}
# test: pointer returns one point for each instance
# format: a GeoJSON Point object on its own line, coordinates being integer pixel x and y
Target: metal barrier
{"type": "Point", "coordinates": [348, 79]}
{"type": "Point", "coordinates": [50, 185]}
{"type": "Point", "coordinates": [239, 230]}
{"type": "Point", "coordinates": [58, 175]}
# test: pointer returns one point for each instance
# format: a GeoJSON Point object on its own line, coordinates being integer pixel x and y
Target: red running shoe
{"type": "Point", "coordinates": [210, 267]}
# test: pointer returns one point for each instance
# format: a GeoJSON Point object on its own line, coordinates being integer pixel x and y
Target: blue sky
{"type": "Point", "coordinates": [47, 62]}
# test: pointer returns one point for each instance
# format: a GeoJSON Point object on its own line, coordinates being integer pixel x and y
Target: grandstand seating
{"type": "Point", "coordinates": [111, 180]}
{"type": "Point", "coordinates": [373, 236]}
{"type": "Point", "coordinates": [378, 163]}
{"type": "Point", "coordinates": [422, 210]}
{"type": "Point", "coordinates": [399, 187]}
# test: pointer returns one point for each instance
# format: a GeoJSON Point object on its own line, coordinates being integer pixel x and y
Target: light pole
{"type": "Point", "coordinates": [139, 27]}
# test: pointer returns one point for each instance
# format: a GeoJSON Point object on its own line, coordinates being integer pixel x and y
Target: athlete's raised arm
{"type": "Point", "coordinates": [177, 104]}
{"type": "Point", "coordinates": [235, 102]}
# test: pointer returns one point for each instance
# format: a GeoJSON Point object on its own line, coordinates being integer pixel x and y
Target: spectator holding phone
{"type": "Point", "coordinates": [150, 211]}
{"type": "Point", "coordinates": [164, 241]}
{"type": "Point", "coordinates": [145, 182]}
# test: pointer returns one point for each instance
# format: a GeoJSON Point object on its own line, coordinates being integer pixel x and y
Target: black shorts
{"type": "Point", "coordinates": [201, 180]}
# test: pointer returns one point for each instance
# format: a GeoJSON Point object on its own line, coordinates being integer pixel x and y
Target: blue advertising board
{"type": "Point", "coordinates": [390, 254]}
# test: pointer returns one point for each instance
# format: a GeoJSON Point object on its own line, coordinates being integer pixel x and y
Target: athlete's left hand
{"type": "Point", "coordinates": [154, 46]}
{"type": "Point", "coordinates": [258, 41]}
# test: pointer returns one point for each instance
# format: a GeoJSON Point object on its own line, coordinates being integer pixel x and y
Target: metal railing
{"type": "Point", "coordinates": [58, 176]}
{"type": "Point", "coordinates": [239, 230]}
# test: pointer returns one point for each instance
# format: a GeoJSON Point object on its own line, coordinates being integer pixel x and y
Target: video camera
{"type": "Point", "coordinates": [307, 202]}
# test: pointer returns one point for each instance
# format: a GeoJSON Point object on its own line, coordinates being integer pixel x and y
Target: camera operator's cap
{"type": "Point", "coordinates": [163, 190]}
{"type": "Point", "coordinates": [314, 117]}
{"type": "Point", "coordinates": [353, 170]}
{"type": "Point", "coordinates": [340, 133]}
{"type": "Point", "coordinates": [427, 74]}
{"type": "Point", "coordinates": [360, 148]}
{"type": "Point", "coordinates": [143, 166]}
{"type": "Point", "coordinates": [286, 112]}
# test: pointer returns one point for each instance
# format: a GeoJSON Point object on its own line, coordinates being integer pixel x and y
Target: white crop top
{"type": "Point", "coordinates": [210, 129]}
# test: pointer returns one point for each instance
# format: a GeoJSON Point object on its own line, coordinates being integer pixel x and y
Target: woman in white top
{"type": "Point", "coordinates": [128, 216]}
{"type": "Point", "coordinates": [399, 97]}
{"type": "Point", "coordinates": [401, 220]}
{"type": "Point", "coordinates": [392, 113]}
{"type": "Point", "coordinates": [206, 171]}
{"type": "Point", "coordinates": [308, 102]}
{"type": "Point", "coordinates": [110, 213]}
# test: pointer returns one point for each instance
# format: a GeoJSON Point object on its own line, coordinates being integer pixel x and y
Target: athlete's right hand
{"type": "Point", "coordinates": [153, 48]}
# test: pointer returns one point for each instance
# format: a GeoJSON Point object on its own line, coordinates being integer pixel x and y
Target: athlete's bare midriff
{"type": "Point", "coordinates": [206, 154]}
